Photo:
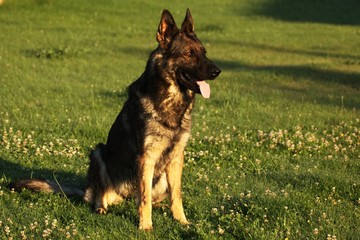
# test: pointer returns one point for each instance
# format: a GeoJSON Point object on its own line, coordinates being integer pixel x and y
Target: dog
{"type": "Point", "coordinates": [144, 153]}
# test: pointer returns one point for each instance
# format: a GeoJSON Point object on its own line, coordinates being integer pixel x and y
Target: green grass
{"type": "Point", "coordinates": [274, 152]}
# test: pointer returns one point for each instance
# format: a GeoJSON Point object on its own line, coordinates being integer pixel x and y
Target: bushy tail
{"type": "Point", "coordinates": [40, 185]}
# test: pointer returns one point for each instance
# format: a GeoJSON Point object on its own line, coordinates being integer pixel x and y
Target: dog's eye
{"type": "Point", "coordinates": [190, 53]}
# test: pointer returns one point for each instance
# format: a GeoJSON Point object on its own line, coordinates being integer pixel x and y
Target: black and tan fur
{"type": "Point", "coordinates": [144, 152]}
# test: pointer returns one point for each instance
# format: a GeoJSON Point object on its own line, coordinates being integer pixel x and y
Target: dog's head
{"type": "Point", "coordinates": [185, 55]}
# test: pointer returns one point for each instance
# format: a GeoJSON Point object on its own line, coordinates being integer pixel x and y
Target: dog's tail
{"type": "Point", "coordinates": [40, 185]}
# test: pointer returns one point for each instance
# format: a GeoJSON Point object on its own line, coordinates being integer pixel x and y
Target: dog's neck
{"type": "Point", "coordinates": [172, 102]}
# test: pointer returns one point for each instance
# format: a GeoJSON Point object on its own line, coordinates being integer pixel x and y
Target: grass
{"type": "Point", "coordinates": [274, 152]}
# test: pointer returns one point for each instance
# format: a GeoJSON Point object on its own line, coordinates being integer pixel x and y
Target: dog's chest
{"type": "Point", "coordinates": [166, 135]}
{"type": "Point", "coordinates": [164, 146]}
{"type": "Point", "coordinates": [159, 136]}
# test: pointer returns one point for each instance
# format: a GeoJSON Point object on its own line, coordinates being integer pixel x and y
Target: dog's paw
{"type": "Point", "coordinates": [101, 211]}
{"type": "Point", "coordinates": [145, 225]}
{"type": "Point", "coordinates": [180, 217]}
{"type": "Point", "coordinates": [184, 222]}
{"type": "Point", "coordinates": [148, 227]}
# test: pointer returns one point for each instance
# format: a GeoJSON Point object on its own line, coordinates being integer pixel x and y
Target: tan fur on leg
{"type": "Point", "coordinates": [145, 186]}
{"type": "Point", "coordinates": [174, 171]}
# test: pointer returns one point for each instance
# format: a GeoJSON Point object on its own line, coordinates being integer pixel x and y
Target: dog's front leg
{"type": "Point", "coordinates": [173, 173]}
{"type": "Point", "coordinates": [145, 186]}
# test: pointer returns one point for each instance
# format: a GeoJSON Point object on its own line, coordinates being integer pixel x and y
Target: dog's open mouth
{"type": "Point", "coordinates": [198, 86]}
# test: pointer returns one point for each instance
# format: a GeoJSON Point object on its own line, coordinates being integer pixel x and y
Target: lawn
{"type": "Point", "coordinates": [274, 153]}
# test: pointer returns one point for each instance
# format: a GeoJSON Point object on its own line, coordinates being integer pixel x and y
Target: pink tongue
{"type": "Point", "coordinates": [204, 88]}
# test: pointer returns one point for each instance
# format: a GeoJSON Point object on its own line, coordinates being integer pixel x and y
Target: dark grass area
{"type": "Point", "coordinates": [338, 12]}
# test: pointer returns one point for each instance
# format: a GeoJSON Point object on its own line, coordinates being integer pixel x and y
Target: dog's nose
{"type": "Point", "coordinates": [215, 72]}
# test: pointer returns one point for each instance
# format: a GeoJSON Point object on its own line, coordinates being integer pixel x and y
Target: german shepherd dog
{"type": "Point", "coordinates": [144, 152]}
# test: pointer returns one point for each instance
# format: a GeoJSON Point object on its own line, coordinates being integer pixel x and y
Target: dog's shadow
{"type": "Point", "coordinates": [12, 172]}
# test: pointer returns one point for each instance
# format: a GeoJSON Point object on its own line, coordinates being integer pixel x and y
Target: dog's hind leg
{"type": "Point", "coordinates": [95, 195]}
{"type": "Point", "coordinates": [100, 203]}
{"type": "Point", "coordinates": [104, 198]}
{"type": "Point", "coordinates": [100, 191]}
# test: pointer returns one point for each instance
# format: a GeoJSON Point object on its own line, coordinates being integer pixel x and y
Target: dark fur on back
{"type": "Point", "coordinates": [144, 152]}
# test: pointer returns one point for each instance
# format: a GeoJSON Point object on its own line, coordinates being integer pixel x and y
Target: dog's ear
{"type": "Point", "coordinates": [167, 29]}
{"type": "Point", "coordinates": [188, 23]}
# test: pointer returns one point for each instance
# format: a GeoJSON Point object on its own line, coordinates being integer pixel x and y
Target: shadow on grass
{"type": "Point", "coordinates": [303, 72]}
{"type": "Point", "coordinates": [298, 71]}
{"type": "Point", "coordinates": [16, 172]}
{"type": "Point", "coordinates": [53, 53]}
{"type": "Point", "coordinates": [324, 52]}
{"type": "Point", "coordinates": [13, 172]}
{"type": "Point", "coordinates": [339, 12]}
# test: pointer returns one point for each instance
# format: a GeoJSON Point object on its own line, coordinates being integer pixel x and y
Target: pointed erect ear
{"type": "Point", "coordinates": [167, 29]}
{"type": "Point", "coordinates": [188, 24]}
